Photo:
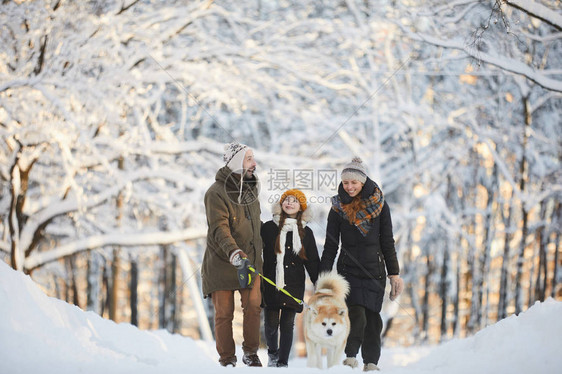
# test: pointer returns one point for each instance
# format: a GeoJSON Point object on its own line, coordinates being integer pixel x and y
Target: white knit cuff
{"type": "Point", "coordinates": [233, 254]}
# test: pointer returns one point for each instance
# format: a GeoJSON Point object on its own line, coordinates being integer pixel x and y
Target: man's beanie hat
{"type": "Point", "coordinates": [234, 155]}
{"type": "Point", "coordinates": [301, 197]}
{"type": "Point", "coordinates": [355, 170]}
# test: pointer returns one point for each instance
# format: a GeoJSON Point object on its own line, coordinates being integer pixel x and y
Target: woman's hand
{"type": "Point", "coordinates": [396, 286]}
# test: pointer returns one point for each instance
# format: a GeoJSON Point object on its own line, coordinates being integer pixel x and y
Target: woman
{"type": "Point", "coordinates": [360, 217]}
{"type": "Point", "coordinates": [289, 248]}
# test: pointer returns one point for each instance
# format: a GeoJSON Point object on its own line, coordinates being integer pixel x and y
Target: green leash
{"type": "Point", "coordinates": [300, 302]}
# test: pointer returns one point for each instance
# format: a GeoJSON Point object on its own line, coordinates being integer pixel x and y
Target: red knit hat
{"type": "Point", "coordinates": [301, 197]}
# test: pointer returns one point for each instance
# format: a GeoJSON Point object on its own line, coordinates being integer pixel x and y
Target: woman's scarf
{"type": "Point", "coordinates": [289, 225]}
{"type": "Point", "coordinates": [373, 198]}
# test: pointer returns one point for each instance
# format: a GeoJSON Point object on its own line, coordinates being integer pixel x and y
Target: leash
{"type": "Point", "coordinates": [299, 301]}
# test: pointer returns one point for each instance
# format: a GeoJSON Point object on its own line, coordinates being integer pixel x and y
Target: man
{"type": "Point", "coordinates": [233, 240]}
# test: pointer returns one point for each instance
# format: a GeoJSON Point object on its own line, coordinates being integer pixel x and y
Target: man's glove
{"type": "Point", "coordinates": [239, 259]}
{"type": "Point", "coordinates": [396, 286]}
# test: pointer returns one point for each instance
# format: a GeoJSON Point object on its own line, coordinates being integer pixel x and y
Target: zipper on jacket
{"type": "Point", "coordinates": [381, 266]}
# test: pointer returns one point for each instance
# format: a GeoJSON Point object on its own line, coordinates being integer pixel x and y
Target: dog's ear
{"type": "Point", "coordinates": [342, 311]}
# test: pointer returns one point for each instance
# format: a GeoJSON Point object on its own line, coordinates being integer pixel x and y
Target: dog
{"type": "Point", "coordinates": [326, 320]}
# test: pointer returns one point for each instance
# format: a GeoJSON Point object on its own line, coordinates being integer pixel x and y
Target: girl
{"type": "Point", "coordinates": [289, 248]}
{"type": "Point", "coordinates": [361, 218]}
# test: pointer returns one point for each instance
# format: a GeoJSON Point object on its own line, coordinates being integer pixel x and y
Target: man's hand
{"type": "Point", "coordinates": [396, 286]}
{"type": "Point", "coordinates": [240, 260]}
{"type": "Point", "coordinates": [237, 258]}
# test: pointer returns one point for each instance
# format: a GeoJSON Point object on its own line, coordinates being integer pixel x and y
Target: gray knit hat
{"type": "Point", "coordinates": [355, 170]}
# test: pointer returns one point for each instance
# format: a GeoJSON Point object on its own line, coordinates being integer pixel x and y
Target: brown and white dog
{"type": "Point", "coordinates": [326, 320]}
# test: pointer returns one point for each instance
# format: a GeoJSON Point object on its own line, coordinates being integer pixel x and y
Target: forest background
{"type": "Point", "coordinates": [113, 117]}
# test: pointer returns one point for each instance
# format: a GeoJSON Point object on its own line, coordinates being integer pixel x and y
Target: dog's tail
{"type": "Point", "coordinates": [332, 282]}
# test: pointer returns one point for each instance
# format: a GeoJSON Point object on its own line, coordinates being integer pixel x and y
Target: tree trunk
{"type": "Point", "coordinates": [58, 291]}
{"type": "Point", "coordinates": [16, 258]}
{"type": "Point", "coordinates": [133, 287]}
{"type": "Point", "coordinates": [93, 279]}
{"type": "Point", "coordinates": [15, 216]}
{"type": "Point", "coordinates": [19, 183]}
{"type": "Point", "coordinates": [446, 266]}
{"type": "Point", "coordinates": [413, 292]}
{"type": "Point", "coordinates": [473, 277]}
{"type": "Point", "coordinates": [171, 294]}
{"type": "Point", "coordinates": [115, 284]}
{"type": "Point", "coordinates": [540, 282]}
{"type": "Point", "coordinates": [457, 323]}
{"type": "Point", "coordinates": [444, 291]}
{"type": "Point", "coordinates": [488, 235]}
{"type": "Point", "coordinates": [474, 271]}
{"type": "Point", "coordinates": [503, 291]}
{"type": "Point", "coordinates": [188, 270]}
{"type": "Point", "coordinates": [425, 302]}
{"type": "Point", "coordinates": [163, 281]}
{"type": "Point", "coordinates": [107, 291]}
{"type": "Point", "coordinates": [71, 278]}
{"type": "Point", "coordinates": [113, 296]}
{"type": "Point", "coordinates": [530, 291]}
{"type": "Point", "coordinates": [557, 223]}
{"type": "Point", "coordinates": [524, 210]}
{"type": "Point", "coordinates": [456, 299]}
{"type": "Point", "coordinates": [411, 268]}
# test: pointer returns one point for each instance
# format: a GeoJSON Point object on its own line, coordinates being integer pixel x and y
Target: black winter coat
{"type": "Point", "coordinates": [293, 270]}
{"type": "Point", "coordinates": [363, 260]}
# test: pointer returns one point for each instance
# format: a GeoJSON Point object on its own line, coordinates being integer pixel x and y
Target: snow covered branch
{"type": "Point", "coordinates": [30, 82]}
{"type": "Point", "coordinates": [74, 202]}
{"type": "Point", "coordinates": [118, 239]}
{"type": "Point", "coordinates": [183, 147]}
{"type": "Point", "coordinates": [539, 11]}
{"type": "Point", "coordinates": [504, 63]}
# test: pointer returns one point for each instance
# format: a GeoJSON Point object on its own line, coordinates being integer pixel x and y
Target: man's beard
{"type": "Point", "coordinates": [249, 174]}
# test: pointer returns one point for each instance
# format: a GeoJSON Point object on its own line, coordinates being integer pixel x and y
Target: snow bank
{"type": "Point", "coordinates": [42, 334]}
{"type": "Point", "coordinates": [528, 343]}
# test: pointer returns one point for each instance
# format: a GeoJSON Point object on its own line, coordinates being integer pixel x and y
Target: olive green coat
{"type": "Point", "coordinates": [231, 225]}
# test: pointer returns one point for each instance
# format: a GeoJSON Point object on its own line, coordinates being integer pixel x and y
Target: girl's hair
{"type": "Point", "coordinates": [282, 218]}
{"type": "Point", "coordinates": [353, 207]}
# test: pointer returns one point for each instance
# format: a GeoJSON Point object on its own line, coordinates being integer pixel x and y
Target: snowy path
{"type": "Point", "coordinates": [46, 335]}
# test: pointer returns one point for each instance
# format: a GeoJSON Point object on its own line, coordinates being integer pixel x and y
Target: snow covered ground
{"type": "Point", "coordinates": [40, 334]}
